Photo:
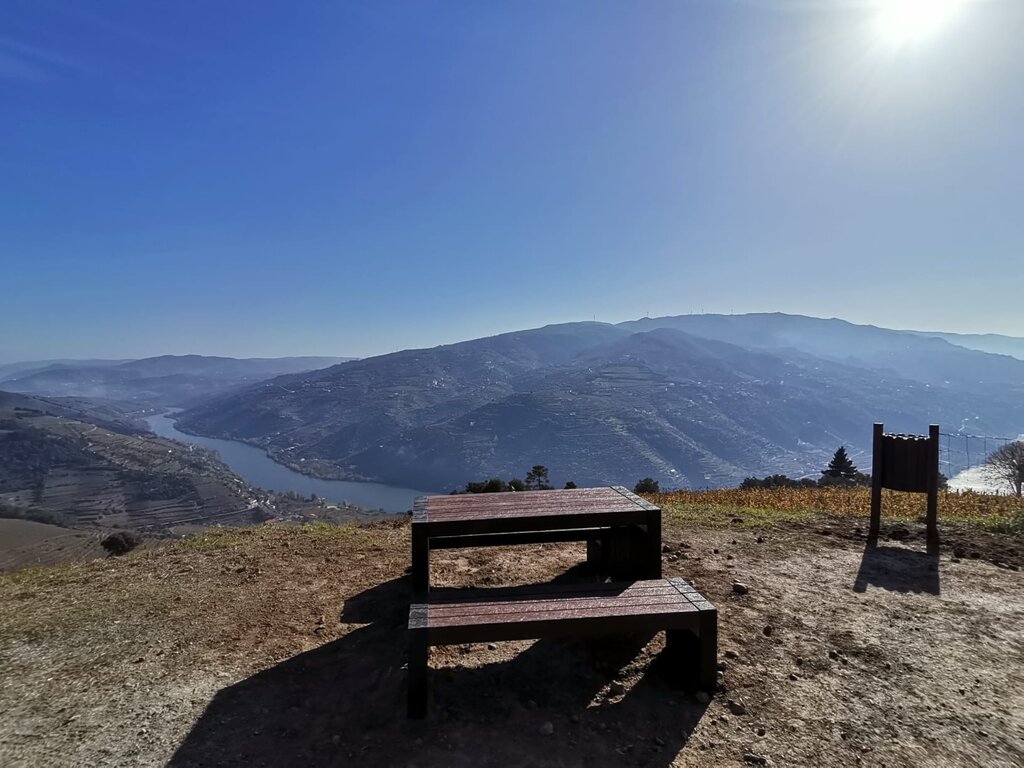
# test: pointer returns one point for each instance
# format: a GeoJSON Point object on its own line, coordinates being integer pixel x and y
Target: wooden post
{"type": "Point", "coordinates": [933, 483]}
{"type": "Point", "coordinates": [876, 481]}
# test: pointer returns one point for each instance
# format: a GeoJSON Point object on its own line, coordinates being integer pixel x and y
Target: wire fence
{"type": "Point", "coordinates": [960, 451]}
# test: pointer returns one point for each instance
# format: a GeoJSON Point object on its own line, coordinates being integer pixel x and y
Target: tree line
{"type": "Point", "coordinates": [1005, 464]}
{"type": "Point", "coordinates": [536, 480]}
{"type": "Point", "coordinates": [841, 472]}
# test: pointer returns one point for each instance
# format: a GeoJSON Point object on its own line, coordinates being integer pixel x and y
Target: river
{"type": "Point", "coordinates": [255, 467]}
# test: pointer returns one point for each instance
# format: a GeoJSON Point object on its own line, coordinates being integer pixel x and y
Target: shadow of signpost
{"type": "Point", "coordinates": [343, 703]}
{"type": "Point", "coordinates": [898, 569]}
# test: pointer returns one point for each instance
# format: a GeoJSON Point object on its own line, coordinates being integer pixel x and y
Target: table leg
{"type": "Point", "coordinates": [597, 552]}
{"type": "Point", "coordinates": [652, 554]}
{"type": "Point", "coordinates": [420, 561]}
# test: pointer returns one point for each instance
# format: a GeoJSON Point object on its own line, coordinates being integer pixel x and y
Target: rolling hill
{"type": "Point", "coordinates": [691, 400]}
{"type": "Point", "coordinates": [995, 343]}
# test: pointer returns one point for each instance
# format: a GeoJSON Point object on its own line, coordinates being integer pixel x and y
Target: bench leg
{"type": "Point", "coordinates": [708, 651]}
{"type": "Point", "coordinates": [694, 653]}
{"type": "Point", "coordinates": [419, 655]}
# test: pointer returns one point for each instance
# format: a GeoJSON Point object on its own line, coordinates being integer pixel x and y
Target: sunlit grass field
{"type": "Point", "coordinates": [760, 506]}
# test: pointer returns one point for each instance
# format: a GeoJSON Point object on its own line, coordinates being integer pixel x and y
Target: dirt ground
{"type": "Point", "coordinates": [285, 647]}
{"type": "Point", "coordinates": [27, 543]}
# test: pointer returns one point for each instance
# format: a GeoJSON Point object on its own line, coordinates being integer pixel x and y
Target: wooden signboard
{"type": "Point", "coordinates": [905, 463]}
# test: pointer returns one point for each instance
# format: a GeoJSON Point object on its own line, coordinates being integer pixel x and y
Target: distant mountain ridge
{"type": "Point", "coordinates": [905, 354]}
{"type": "Point", "coordinates": [168, 380]}
{"type": "Point", "coordinates": [993, 343]}
{"type": "Point", "coordinates": [691, 400]}
{"type": "Point", "coordinates": [10, 370]}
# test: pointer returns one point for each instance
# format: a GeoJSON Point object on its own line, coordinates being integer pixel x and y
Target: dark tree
{"type": "Point", "coordinates": [570, 485]}
{"type": "Point", "coordinates": [537, 478]}
{"type": "Point", "coordinates": [841, 465]}
{"type": "Point", "coordinates": [1007, 465]}
{"type": "Point", "coordinates": [515, 484]}
{"type": "Point", "coordinates": [647, 485]}
{"type": "Point", "coordinates": [121, 542]}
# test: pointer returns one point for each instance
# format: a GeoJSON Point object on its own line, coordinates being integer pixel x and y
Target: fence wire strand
{"type": "Point", "coordinates": [956, 456]}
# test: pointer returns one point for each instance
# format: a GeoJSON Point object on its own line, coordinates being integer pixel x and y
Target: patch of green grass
{"type": "Point", "coordinates": [1012, 525]}
{"type": "Point", "coordinates": [323, 529]}
{"type": "Point", "coordinates": [217, 538]}
{"type": "Point", "coordinates": [228, 538]}
{"type": "Point", "coordinates": [40, 575]}
{"type": "Point", "coordinates": [343, 533]}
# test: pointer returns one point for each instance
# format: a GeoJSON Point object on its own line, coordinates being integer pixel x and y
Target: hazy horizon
{"type": "Point", "coordinates": [192, 351]}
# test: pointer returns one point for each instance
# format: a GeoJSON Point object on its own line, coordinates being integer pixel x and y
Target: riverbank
{"type": "Point", "coordinates": [256, 467]}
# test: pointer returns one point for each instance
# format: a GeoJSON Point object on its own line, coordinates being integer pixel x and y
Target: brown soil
{"type": "Point", "coordinates": [275, 646]}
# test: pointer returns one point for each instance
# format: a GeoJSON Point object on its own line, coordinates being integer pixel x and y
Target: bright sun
{"type": "Point", "coordinates": [901, 22]}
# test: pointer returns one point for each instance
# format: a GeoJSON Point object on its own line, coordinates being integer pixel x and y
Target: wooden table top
{"type": "Point", "coordinates": [526, 504]}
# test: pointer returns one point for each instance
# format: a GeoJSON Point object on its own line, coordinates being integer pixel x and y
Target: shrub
{"type": "Point", "coordinates": [647, 485]}
{"type": "Point", "coordinates": [777, 481]}
{"type": "Point", "coordinates": [121, 542]}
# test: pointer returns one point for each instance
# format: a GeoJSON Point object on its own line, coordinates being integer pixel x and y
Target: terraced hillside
{"type": "Point", "coordinates": [59, 469]}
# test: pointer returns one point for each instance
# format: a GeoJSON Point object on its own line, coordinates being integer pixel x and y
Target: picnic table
{"type": "Point", "coordinates": [623, 531]}
{"type": "Point", "coordinates": [623, 534]}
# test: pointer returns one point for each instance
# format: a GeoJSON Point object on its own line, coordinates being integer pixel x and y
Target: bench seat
{"type": "Point", "coordinates": [560, 610]}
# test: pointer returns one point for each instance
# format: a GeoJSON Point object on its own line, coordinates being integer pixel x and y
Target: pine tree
{"type": "Point", "coordinates": [537, 478]}
{"type": "Point", "coordinates": [840, 466]}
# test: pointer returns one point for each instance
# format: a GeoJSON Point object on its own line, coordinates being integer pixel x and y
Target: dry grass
{"type": "Point", "coordinates": [761, 506]}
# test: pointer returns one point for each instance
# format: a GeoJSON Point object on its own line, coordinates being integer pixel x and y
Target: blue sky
{"type": "Point", "coordinates": [351, 178]}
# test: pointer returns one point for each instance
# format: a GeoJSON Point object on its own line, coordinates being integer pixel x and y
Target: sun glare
{"type": "Point", "coordinates": [902, 22]}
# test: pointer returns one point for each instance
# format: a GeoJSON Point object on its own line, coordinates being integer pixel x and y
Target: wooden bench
{"type": "Point", "coordinates": [623, 531]}
{"type": "Point", "coordinates": [558, 610]}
